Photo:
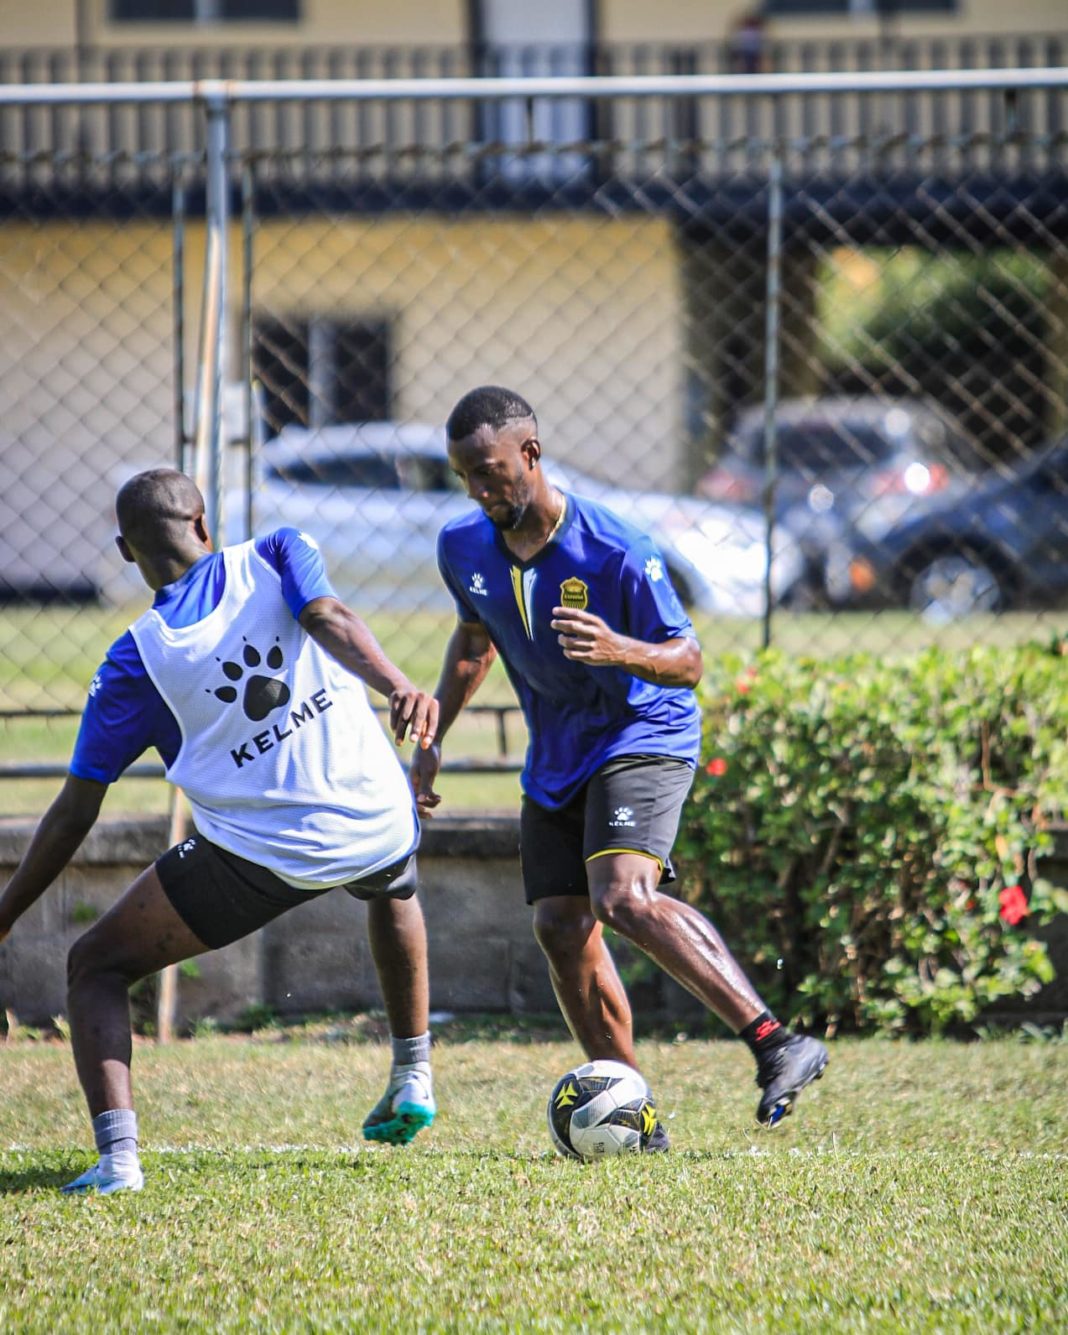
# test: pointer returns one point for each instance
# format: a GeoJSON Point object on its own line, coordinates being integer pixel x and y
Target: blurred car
{"type": "Point", "coordinates": [1003, 545]}
{"type": "Point", "coordinates": [375, 495]}
{"type": "Point", "coordinates": [846, 454]}
{"type": "Point", "coordinates": [863, 462]}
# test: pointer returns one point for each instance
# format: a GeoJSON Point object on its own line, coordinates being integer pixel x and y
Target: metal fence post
{"type": "Point", "coordinates": [772, 319]}
{"type": "Point", "coordinates": [210, 444]}
{"type": "Point", "coordinates": [178, 209]}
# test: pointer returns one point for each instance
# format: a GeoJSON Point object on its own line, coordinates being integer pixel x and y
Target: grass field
{"type": "Point", "coordinates": [918, 1188]}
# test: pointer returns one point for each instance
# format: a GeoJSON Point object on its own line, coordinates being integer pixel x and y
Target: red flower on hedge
{"type": "Point", "coordinates": [1013, 903]}
{"type": "Point", "coordinates": [717, 767]}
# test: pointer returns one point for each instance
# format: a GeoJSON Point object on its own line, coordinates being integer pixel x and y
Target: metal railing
{"type": "Point", "coordinates": [143, 126]}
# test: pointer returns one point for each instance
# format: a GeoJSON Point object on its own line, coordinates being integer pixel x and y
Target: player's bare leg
{"type": "Point", "coordinates": [397, 935]}
{"type": "Point", "coordinates": [584, 977]}
{"type": "Point", "coordinates": [588, 987]}
{"type": "Point", "coordinates": [141, 934]}
{"type": "Point", "coordinates": [624, 894]}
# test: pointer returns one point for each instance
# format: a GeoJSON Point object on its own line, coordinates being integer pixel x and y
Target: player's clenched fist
{"type": "Point", "coordinates": [585, 638]}
{"type": "Point", "coordinates": [424, 770]}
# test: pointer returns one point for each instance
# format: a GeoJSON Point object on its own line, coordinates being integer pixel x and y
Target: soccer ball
{"type": "Point", "coordinates": [599, 1109]}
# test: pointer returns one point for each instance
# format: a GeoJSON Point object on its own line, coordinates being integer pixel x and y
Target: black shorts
{"type": "Point", "coordinates": [631, 805]}
{"type": "Point", "coordinates": [222, 897]}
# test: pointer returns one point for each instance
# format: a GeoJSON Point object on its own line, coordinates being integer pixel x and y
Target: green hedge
{"type": "Point", "coordinates": [865, 834]}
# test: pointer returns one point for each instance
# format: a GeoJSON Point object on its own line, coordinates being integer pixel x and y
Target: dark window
{"type": "Point", "coordinates": [885, 8]}
{"type": "Point", "coordinates": [205, 11]}
{"type": "Point", "coordinates": [1052, 474]}
{"type": "Point", "coordinates": [360, 470]}
{"type": "Point", "coordinates": [316, 372]}
{"type": "Point", "coordinates": [815, 450]}
{"type": "Point", "coordinates": [424, 472]}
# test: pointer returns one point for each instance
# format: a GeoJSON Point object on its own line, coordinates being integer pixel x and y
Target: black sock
{"type": "Point", "coordinates": [764, 1033]}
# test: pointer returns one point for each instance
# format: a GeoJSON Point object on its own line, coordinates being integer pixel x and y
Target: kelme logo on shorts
{"type": "Point", "coordinates": [574, 592]}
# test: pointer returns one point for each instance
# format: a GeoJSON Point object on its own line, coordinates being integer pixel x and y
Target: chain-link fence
{"type": "Point", "coordinates": [820, 351]}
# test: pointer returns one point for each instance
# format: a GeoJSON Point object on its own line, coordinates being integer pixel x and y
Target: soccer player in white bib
{"type": "Point", "coordinates": [603, 659]}
{"type": "Point", "coordinates": [248, 677]}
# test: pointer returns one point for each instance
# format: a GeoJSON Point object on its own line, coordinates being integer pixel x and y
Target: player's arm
{"type": "Point", "coordinates": [348, 638]}
{"type": "Point", "coordinates": [469, 655]}
{"type": "Point", "coordinates": [311, 599]}
{"type": "Point", "coordinates": [656, 643]}
{"type": "Point", "coordinates": [55, 841]}
{"type": "Point", "coordinates": [586, 638]}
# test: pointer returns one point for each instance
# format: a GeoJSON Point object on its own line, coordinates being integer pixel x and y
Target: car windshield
{"type": "Point", "coordinates": [410, 472]}
{"type": "Point", "coordinates": [819, 447]}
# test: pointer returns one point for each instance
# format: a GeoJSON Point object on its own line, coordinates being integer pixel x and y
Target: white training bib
{"type": "Point", "coordinates": [282, 758]}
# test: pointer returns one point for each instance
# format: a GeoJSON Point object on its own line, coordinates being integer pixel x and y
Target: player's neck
{"type": "Point", "coordinates": [538, 526]}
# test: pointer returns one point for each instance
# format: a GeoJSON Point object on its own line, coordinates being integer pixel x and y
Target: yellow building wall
{"type": "Point", "coordinates": [582, 316]}
{"type": "Point", "coordinates": [324, 22]}
{"type": "Point", "coordinates": [710, 20]}
{"type": "Point", "coordinates": [44, 23]}
{"type": "Point", "coordinates": [444, 22]}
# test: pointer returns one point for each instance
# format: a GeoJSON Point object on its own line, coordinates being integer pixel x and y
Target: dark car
{"type": "Point", "coordinates": [864, 462]}
{"type": "Point", "coordinates": [848, 455]}
{"type": "Point", "coordinates": [1003, 545]}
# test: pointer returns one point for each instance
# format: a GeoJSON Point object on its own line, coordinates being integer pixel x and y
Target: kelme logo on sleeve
{"type": "Point", "coordinates": [574, 592]}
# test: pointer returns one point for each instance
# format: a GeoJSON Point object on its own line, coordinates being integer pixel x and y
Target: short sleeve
{"type": "Point", "coordinates": [124, 715]}
{"type": "Point", "coordinates": [654, 610]}
{"type": "Point", "coordinates": [465, 610]}
{"type": "Point", "coordinates": [299, 562]}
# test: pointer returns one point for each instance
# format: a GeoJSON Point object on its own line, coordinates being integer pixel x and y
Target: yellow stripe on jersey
{"type": "Point", "coordinates": [523, 587]}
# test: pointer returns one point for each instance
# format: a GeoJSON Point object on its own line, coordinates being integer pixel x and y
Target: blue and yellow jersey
{"type": "Point", "coordinates": [578, 716]}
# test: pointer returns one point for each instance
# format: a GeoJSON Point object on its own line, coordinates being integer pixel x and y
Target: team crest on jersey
{"type": "Point", "coordinates": [575, 592]}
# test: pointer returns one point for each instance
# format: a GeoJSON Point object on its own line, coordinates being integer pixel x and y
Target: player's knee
{"type": "Point", "coordinates": [88, 958]}
{"type": "Point", "coordinates": [623, 903]}
{"type": "Point", "coordinates": [82, 962]}
{"type": "Point", "coordinates": [562, 936]}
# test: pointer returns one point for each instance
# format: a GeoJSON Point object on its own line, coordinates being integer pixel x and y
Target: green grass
{"type": "Point", "coordinates": [919, 1187]}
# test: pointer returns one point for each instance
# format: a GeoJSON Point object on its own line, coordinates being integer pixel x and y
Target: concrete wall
{"type": "Point", "coordinates": [483, 956]}
{"type": "Point", "coordinates": [482, 951]}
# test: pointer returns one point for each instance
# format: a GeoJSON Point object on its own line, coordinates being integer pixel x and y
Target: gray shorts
{"type": "Point", "coordinates": [631, 805]}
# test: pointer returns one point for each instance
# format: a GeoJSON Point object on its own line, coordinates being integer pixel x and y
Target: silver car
{"type": "Point", "coordinates": [375, 495]}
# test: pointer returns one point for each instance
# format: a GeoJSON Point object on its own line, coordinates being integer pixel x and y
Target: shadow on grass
{"type": "Point", "coordinates": [34, 1179]}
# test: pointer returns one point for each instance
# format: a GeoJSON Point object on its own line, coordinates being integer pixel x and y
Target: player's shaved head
{"type": "Point", "coordinates": [155, 510]}
{"type": "Point", "coordinates": [488, 406]}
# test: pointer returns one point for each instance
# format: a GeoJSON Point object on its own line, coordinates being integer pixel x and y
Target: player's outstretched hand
{"type": "Point", "coordinates": [424, 770]}
{"type": "Point", "coordinates": [413, 714]}
{"type": "Point", "coordinates": [586, 638]}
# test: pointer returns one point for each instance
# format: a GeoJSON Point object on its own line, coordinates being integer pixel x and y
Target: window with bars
{"type": "Point", "coordinates": [317, 371]}
{"type": "Point", "coordinates": [205, 11]}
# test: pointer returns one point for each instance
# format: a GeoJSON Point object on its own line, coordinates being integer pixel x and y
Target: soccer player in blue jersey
{"type": "Point", "coordinates": [248, 677]}
{"type": "Point", "coordinates": [604, 660]}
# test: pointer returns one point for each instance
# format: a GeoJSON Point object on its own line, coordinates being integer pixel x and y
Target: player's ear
{"type": "Point", "coordinates": [124, 550]}
{"type": "Point", "coordinates": [200, 528]}
{"type": "Point", "coordinates": [531, 450]}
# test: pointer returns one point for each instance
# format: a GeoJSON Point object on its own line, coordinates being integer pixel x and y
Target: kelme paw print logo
{"type": "Point", "coordinates": [261, 694]}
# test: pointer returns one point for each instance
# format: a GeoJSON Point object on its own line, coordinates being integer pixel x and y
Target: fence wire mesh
{"type": "Point", "coordinates": [906, 465]}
